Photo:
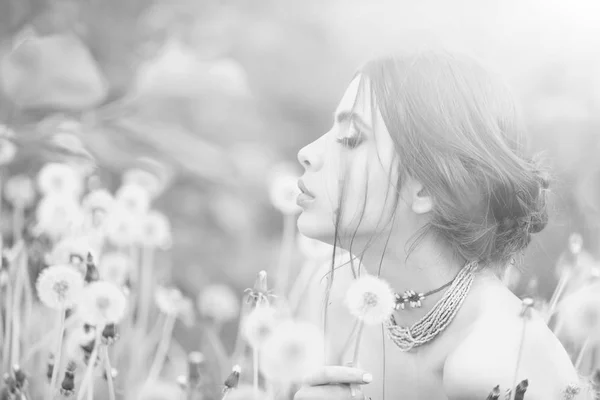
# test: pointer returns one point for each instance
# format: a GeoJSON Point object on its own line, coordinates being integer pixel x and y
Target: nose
{"type": "Point", "coordinates": [309, 157]}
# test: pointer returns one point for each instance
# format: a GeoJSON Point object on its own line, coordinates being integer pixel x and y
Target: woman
{"type": "Point", "coordinates": [424, 178]}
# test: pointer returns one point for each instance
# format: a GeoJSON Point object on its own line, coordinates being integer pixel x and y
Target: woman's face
{"type": "Point", "coordinates": [355, 162]}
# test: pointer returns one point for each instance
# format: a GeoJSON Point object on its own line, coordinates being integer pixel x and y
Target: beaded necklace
{"type": "Point", "coordinates": [439, 317]}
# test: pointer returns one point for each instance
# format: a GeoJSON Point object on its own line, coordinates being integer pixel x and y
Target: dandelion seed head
{"type": "Point", "coordinates": [102, 303]}
{"type": "Point", "coordinates": [59, 286]}
{"type": "Point", "coordinates": [133, 198]}
{"type": "Point", "coordinates": [370, 299]}
{"type": "Point", "coordinates": [155, 230]}
{"type": "Point", "coordinates": [59, 179]}
{"type": "Point", "coordinates": [219, 302]}
{"type": "Point", "coordinates": [293, 350]}
{"type": "Point", "coordinates": [258, 325]}
{"type": "Point", "coordinates": [58, 216]}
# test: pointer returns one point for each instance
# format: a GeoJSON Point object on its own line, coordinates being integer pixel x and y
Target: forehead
{"type": "Point", "coordinates": [357, 98]}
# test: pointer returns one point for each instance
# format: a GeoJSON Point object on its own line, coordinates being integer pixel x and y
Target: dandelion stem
{"type": "Point", "coordinates": [109, 378]}
{"type": "Point", "coordinates": [560, 287]}
{"type": "Point", "coordinates": [285, 255]}
{"type": "Point", "coordinates": [58, 353]}
{"type": "Point", "coordinates": [163, 349]}
{"type": "Point", "coordinates": [349, 340]}
{"type": "Point", "coordinates": [581, 354]}
{"type": "Point", "coordinates": [255, 369]}
{"type": "Point", "coordinates": [8, 326]}
{"type": "Point", "coordinates": [219, 350]}
{"type": "Point", "coordinates": [519, 355]}
{"type": "Point", "coordinates": [88, 377]}
{"type": "Point", "coordinates": [240, 344]}
{"type": "Point", "coordinates": [16, 312]}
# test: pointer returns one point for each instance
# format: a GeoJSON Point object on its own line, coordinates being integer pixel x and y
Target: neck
{"type": "Point", "coordinates": [429, 266]}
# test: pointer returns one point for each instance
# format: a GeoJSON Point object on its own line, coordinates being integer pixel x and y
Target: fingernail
{"type": "Point", "coordinates": [367, 378]}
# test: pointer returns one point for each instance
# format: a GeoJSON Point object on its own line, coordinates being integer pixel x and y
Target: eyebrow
{"type": "Point", "coordinates": [343, 116]}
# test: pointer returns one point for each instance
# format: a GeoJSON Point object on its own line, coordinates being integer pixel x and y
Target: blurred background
{"type": "Point", "coordinates": [211, 95]}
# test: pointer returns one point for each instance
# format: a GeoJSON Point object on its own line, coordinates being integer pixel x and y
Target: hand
{"type": "Point", "coordinates": [334, 383]}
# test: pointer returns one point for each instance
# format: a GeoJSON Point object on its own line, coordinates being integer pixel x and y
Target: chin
{"type": "Point", "coordinates": [315, 227]}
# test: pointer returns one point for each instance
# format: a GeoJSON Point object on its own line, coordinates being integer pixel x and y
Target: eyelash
{"type": "Point", "coordinates": [352, 141]}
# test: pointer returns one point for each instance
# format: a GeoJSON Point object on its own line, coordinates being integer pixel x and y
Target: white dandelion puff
{"type": "Point", "coordinates": [122, 228]}
{"type": "Point", "coordinates": [58, 216]}
{"type": "Point", "coordinates": [258, 325]}
{"type": "Point", "coordinates": [114, 267]}
{"type": "Point", "coordinates": [133, 198]}
{"type": "Point", "coordinates": [155, 230]}
{"type": "Point", "coordinates": [293, 350]}
{"type": "Point", "coordinates": [20, 191]}
{"type": "Point", "coordinates": [219, 302]}
{"type": "Point", "coordinates": [59, 179]}
{"type": "Point", "coordinates": [370, 299]}
{"type": "Point", "coordinates": [283, 190]}
{"type": "Point", "coordinates": [171, 301]}
{"type": "Point", "coordinates": [59, 286]}
{"type": "Point", "coordinates": [8, 151]}
{"type": "Point", "coordinates": [102, 303]}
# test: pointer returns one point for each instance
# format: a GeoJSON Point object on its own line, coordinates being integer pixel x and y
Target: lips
{"type": "Point", "coordinates": [303, 189]}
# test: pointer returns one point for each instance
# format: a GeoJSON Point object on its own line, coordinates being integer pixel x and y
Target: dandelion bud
{"type": "Point", "coordinates": [521, 389]}
{"type": "Point", "coordinates": [20, 376]}
{"type": "Point", "coordinates": [91, 272]}
{"type": "Point", "coordinates": [182, 382]}
{"type": "Point", "coordinates": [195, 360]}
{"type": "Point", "coordinates": [11, 390]}
{"type": "Point", "coordinates": [110, 334]}
{"type": "Point", "coordinates": [87, 350]}
{"type": "Point", "coordinates": [50, 367]}
{"type": "Point", "coordinates": [233, 379]}
{"type": "Point", "coordinates": [494, 394]}
{"type": "Point", "coordinates": [113, 373]}
{"type": "Point", "coordinates": [526, 307]}
{"type": "Point", "coordinates": [68, 384]}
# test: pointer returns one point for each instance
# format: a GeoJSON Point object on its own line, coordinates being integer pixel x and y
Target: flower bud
{"type": "Point", "coordinates": [233, 379]}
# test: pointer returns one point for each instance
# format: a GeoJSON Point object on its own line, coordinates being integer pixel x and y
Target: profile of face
{"type": "Point", "coordinates": [352, 170]}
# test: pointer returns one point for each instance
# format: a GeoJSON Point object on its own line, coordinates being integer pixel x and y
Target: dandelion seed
{"type": "Point", "coordinates": [370, 299]}
{"type": "Point", "coordinates": [102, 303]}
{"type": "Point", "coordinates": [293, 350]}
{"type": "Point", "coordinates": [258, 326]}
{"type": "Point", "coordinates": [219, 303]}
{"type": "Point", "coordinates": [133, 198]}
{"type": "Point", "coordinates": [20, 191]}
{"type": "Point", "coordinates": [155, 230]}
{"type": "Point", "coordinates": [59, 286]}
{"type": "Point", "coordinates": [59, 179]}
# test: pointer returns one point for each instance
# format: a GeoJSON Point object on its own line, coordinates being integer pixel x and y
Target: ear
{"type": "Point", "coordinates": [421, 201]}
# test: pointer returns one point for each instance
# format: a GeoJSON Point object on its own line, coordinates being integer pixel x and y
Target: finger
{"type": "Point", "coordinates": [329, 392]}
{"type": "Point", "coordinates": [338, 374]}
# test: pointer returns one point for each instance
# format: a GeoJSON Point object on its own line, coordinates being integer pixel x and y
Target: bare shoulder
{"type": "Point", "coordinates": [489, 354]}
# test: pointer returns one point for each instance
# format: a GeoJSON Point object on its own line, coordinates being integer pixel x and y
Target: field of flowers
{"type": "Point", "coordinates": [84, 313]}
